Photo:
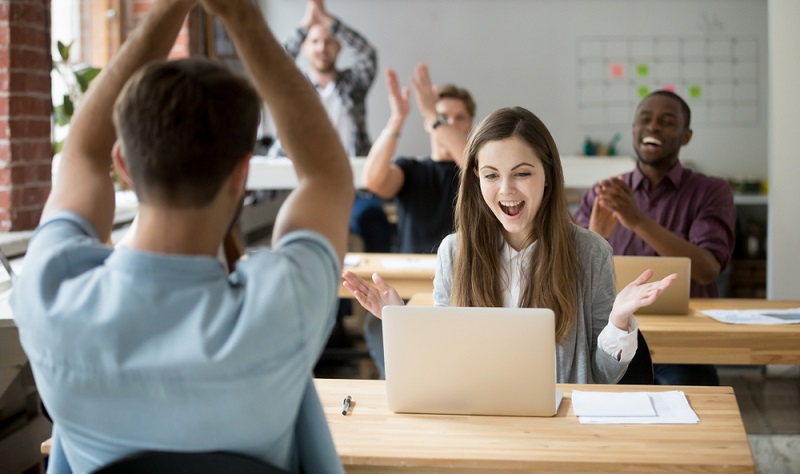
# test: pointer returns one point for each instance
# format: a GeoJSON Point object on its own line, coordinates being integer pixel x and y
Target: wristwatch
{"type": "Point", "coordinates": [441, 119]}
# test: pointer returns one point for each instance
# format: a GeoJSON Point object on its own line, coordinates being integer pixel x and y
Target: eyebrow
{"type": "Point", "coordinates": [663, 114]}
{"type": "Point", "coordinates": [512, 169]}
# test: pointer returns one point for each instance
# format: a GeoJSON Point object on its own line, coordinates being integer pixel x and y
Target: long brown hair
{"type": "Point", "coordinates": [552, 277]}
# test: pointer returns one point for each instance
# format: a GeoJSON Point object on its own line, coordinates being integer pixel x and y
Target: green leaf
{"type": "Point", "coordinates": [59, 116]}
{"type": "Point", "coordinates": [63, 50]}
{"type": "Point", "coordinates": [69, 107]}
{"type": "Point", "coordinates": [58, 146]}
{"type": "Point", "coordinates": [85, 76]}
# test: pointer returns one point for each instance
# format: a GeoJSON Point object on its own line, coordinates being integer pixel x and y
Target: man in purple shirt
{"type": "Point", "coordinates": [662, 208]}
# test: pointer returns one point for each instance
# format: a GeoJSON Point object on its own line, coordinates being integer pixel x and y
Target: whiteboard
{"type": "Point", "coordinates": [541, 54]}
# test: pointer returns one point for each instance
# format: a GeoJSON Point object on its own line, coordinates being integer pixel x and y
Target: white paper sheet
{"type": "Point", "coordinates": [670, 407]}
{"type": "Point", "coordinates": [755, 316]}
{"type": "Point", "coordinates": [611, 404]}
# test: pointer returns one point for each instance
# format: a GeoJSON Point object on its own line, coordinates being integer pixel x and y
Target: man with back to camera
{"type": "Point", "coordinates": [320, 37]}
{"type": "Point", "coordinates": [154, 346]}
{"type": "Point", "coordinates": [425, 190]}
{"type": "Point", "coordinates": [662, 208]}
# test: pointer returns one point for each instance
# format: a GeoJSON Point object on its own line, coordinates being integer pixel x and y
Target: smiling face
{"type": "Point", "coordinates": [512, 181]}
{"type": "Point", "coordinates": [321, 48]}
{"type": "Point", "coordinates": [659, 131]}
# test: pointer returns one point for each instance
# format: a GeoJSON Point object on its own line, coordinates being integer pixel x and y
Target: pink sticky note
{"type": "Point", "coordinates": [617, 70]}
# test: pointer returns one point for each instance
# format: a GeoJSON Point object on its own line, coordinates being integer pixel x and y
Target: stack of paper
{"type": "Point", "coordinates": [633, 407]}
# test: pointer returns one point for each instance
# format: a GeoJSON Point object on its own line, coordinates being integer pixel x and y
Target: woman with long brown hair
{"type": "Point", "coordinates": [516, 245]}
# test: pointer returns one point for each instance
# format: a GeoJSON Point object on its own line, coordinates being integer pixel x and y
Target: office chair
{"type": "Point", "coordinates": [159, 462]}
{"type": "Point", "coordinates": [640, 370]}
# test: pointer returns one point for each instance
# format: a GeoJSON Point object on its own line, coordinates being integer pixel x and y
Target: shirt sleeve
{"type": "Point", "coordinates": [584, 212]}
{"type": "Point", "coordinates": [294, 42]}
{"type": "Point", "coordinates": [311, 275]}
{"type": "Point", "coordinates": [443, 281]}
{"type": "Point", "coordinates": [713, 226]}
{"type": "Point", "coordinates": [618, 343]}
{"type": "Point", "coordinates": [365, 59]}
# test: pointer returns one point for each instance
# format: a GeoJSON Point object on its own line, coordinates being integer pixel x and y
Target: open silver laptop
{"type": "Point", "coordinates": [675, 299]}
{"type": "Point", "coordinates": [470, 361]}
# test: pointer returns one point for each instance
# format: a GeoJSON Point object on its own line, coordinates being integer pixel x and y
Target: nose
{"type": "Point", "coordinates": [506, 185]}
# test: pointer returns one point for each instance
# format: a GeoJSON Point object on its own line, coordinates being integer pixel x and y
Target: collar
{"type": "Point", "coordinates": [674, 175]}
{"type": "Point", "coordinates": [509, 254]}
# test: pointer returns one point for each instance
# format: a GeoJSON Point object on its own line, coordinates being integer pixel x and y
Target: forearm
{"type": "Point", "coordinates": [92, 131]}
{"type": "Point", "coordinates": [378, 165]}
{"type": "Point", "coordinates": [705, 267]}
{"type": "Point", "coordinates": [295, 42]}
{"type": "Point", "coordinates": [83, 183]}
{"type": "Point", "coordinates": [365, 58]}
{"type": "Point", "coordinates": [452, 140]}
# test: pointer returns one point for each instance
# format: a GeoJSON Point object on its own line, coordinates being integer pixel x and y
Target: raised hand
{"type": "Point", "coordinates": [315, 13]}
{"type": "Point", "coordinates": [399, 98]}
{"type": "Point", "coordinates": [425, 93]}
{"type": "Point", "coordinates": [637, 294]}
{"type": "Point", "coordinates": [372, 298]}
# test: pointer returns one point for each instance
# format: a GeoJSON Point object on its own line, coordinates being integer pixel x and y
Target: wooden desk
{"type": "Point", "coordinates": [373, 439]}
{"type": "Point", "coordinates": [698, 339]}
{"type": "Point", "coordinates": [407, 281]}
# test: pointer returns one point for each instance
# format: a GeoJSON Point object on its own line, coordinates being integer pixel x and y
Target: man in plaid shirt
{"type": "Point", "coordinates": [320, 37]}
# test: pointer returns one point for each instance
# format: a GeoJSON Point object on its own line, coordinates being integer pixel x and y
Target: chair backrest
{"type": "Point", "coordinates": [160, 462]}
{"type": "Point", "coordinates": [640, 370]}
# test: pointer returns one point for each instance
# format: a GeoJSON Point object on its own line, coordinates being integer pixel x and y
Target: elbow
{"type": "Point", "coordinates": [707, 274]}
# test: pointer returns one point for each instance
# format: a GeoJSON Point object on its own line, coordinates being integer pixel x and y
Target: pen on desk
{"type": "Point", "coordinates": [346, 405]}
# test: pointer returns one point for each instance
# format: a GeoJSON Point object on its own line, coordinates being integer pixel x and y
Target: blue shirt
{"type": "Point", "coordinates": [136, 351]}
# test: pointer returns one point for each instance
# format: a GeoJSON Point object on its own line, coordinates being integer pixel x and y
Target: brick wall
{"type": "Point", "coordinates": [25, 111]}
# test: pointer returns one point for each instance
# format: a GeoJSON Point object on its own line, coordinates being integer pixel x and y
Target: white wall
{"type": "Point", "coordinates": [524, 52]}
{"type": "Point", "coordinates": [784, 159]}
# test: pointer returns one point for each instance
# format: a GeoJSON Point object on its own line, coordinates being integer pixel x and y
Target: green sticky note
{"type": "Point", "coordinates": [642, 70]}
{"type": "Point", "coordinates": [695, 92]}
{"type": "Point", "coordinates": [642, 91]}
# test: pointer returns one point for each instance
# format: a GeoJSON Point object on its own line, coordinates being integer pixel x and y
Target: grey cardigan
{"type": "Point", "coordinates": [578, 358]}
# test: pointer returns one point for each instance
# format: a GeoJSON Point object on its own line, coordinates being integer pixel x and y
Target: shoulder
{"type": "Point", "coordinates": [447, 250]}
{"type": "Point", "coordinates": [709, 184]}
{"type": "Point", "coordinates": [449, 244]}
{"type": "Point", "coordinates": [590, 246]}
{"type": "Point", "coordinates": [67, 236]}
{"type": "Point", "coordinates": [304, 252]}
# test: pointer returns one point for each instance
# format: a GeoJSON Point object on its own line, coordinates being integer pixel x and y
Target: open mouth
{"type": "Point", "coordinates": [650, 142]}
{"type": "Point", "coordinates": [512, 208]}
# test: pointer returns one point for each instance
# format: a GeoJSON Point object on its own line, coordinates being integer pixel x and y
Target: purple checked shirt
{"type": "Point", "coordinates": [694, 206]}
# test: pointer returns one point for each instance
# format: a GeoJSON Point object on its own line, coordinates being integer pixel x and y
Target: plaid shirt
{"type": "Point", "coordinates": [352, 84]}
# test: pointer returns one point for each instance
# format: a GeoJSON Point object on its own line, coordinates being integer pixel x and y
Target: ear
{"type": "Point", "coordinates": [238, 178]}
{"type": "Point", "coordinates": [120, 167]}
{"type": "Point", "coordinates": [687, 136]}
